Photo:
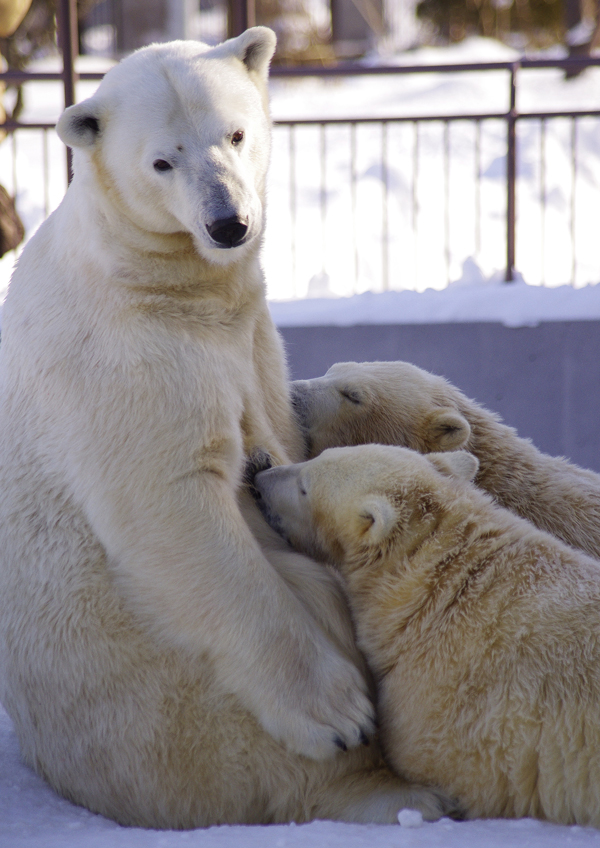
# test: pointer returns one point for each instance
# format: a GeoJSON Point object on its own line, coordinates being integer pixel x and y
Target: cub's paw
{"type": "Point", "coordinates": [393, 796]}
{"type": "Point", "coordinates": [431, 802]}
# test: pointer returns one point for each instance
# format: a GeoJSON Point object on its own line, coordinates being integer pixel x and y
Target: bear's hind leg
{"type": "Point", "coordinates": [377, 797]}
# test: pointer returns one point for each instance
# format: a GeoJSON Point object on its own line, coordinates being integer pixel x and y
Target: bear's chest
{"type": "Point", "coordinates": [209, 371]}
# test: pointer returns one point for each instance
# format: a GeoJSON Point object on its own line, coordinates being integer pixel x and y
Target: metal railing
{"type": "Point", "coordinates": [511, 118]}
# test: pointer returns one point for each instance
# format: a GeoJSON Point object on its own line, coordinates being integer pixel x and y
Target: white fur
{"type": "Point", "coordinates": [396, 403]}
{"type": "Point", "coordinates": [166, 660]}
{"type": "Point", "coordinates": [483, 632]}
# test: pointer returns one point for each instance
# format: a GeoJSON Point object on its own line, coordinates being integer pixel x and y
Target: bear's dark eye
{"type": "Point", "coordinates": [237, 137]}
{"type": "Point", "coordinates": [351, 395]}
{"type": "Point", "coordinates": [162, 165]}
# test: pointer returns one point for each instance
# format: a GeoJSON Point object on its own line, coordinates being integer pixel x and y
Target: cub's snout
{"type": "Point", "coordinates": [300, 390]}
{"type": "Point", "coordinates": [273, 488]}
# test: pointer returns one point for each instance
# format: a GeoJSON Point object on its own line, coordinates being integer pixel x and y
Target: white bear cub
{"type": "Point", "coordinates": [482, 631]}
{"type": "Point", "coordinates": [165, 659]}
{"type": "Point", "coordinates": [396, 403]}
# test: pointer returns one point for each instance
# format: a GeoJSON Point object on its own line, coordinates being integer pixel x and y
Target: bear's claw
{"type": "Point", "coordinates": [258, 460]}
{"type": "Point", "coordinates": [340, 743]}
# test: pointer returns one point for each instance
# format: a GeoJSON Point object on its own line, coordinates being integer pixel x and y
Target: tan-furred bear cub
{"type": "Point", "coordinates": [396, 403]}
{"type": "Point", "coordinates": [482, 631]}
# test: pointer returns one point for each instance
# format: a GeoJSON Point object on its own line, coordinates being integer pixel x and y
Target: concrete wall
{"type": "Point", "coordinates": [544, 380]}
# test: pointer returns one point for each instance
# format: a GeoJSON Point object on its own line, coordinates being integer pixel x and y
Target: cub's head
{"type": "Point", "coordinates": [177, 138]}
{"type": "Point", "coordinates": [392, 403]}
{"type": "Point", "coordinates": [352, 505]}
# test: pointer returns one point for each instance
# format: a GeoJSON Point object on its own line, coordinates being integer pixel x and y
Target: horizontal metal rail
{"type": "Point", "coordinates": [350, 69]}
{"type": "Point", "coordinates": [347, 69]}
{"type": "Point", "coordinates": [441, 117]}
{"type": "Point", "coordinates": [512, 115]}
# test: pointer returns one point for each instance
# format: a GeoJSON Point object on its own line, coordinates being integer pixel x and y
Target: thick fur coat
{"type": "Point", "coordinates": [482, 631]}
{"type": "Point", "coordinates": [167, 661]}
{"type": "Point", "coordinates": [396, 403]}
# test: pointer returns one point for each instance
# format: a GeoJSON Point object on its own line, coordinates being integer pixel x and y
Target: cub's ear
{"type": "Point", "coordinates": [255, 48]}
{"type": "Point", "coordinates": [459, 464]}
{"type": "Point", "coordinates": [80, 125]}
{"type": "Point", "coordinates": [446, 430]}
{"type": "Point", "coordinates": [377, 517]}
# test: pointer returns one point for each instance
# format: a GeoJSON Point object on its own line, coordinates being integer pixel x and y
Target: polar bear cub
{"type": "Point", "coordinates": [482, 631]}
{"type": "Point", "coordinates": [165, 659]}
{"type": "Point", "coordinates": [396, 403]}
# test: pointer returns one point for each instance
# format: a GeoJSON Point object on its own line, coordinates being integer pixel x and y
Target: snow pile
{"type": "Point", "coordinates": [513, 304]}
{"type": "Point", "coordinates": [410, 818]}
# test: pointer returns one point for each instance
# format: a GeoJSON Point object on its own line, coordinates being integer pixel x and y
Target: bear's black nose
{"type": "Point", "coordinates": [228, 232]}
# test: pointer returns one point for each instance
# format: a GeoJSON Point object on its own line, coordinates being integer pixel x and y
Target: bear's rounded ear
{"type": "Point", "coordinates": [377, 517]}
{"type": "Point", "coordinates": [446, 430]}
{"type": "Point", "coordinates": [459, 464]}
{"type": "Point", "coordinates": [255, 48]}
{"type": "Point", "coordinates": [79, 125]}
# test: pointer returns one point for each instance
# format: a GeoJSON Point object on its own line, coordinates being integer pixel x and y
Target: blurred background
{"type": "Point", "coordinates": [308, 30]}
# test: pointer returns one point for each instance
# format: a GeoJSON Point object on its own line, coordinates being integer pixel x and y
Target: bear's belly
{"type": "Point", "coordinates": [111, 718]}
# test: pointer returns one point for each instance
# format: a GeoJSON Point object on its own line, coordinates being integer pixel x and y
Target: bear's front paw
{"type": "Point", "coordinates": [258, 460]}
{"type": "Point", "coordinates": [330, 712]}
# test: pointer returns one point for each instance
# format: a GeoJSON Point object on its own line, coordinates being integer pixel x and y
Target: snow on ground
{"type": "Point", "coordinates": [514, 305]}
{"type": "Point", "coordinates": [32, 816]}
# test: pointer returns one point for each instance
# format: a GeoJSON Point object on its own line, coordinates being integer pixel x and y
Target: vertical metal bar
{"type": "Point", "coordinates": [250, 13]}
{"type": "Point", "coordinates": [292, 173]}
{"type": "Point", "coordinates": [13, 151]}
{"type": "Point", "coordinates": [573, 197]}
{"type": "Point", "coordinates": [385, 280]}
{"type": "Point", "coordinates": [511, 173]}
{"type": "Point", "coordinates": [323, 194]}
{"type": "Point", "coordinates": [241, 14]}
{"type": "Point", "coordinates": [353, 193]}
{"type": "Point", "coordinates": [414, 199]}
{"type": "Point", "coordinates": [118, 21]}
{"type": "Point", "coordinates": [46, 168]}
{"type": "Point", "coordinates": [447, 199]}
{"type": "Point", "coordinates": [543, 196]}
{"type": "Point", "coordinates": [68, 43]}
{"type": "Point", "coordinates": [477, 188]}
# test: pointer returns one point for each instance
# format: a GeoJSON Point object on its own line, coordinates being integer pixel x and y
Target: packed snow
{"type": "Point", "coordinates": [32, 816]}
{"type": "Point", "coordinates": [513, 305]}
{"type": "Point", "coordinates": [338, 273]}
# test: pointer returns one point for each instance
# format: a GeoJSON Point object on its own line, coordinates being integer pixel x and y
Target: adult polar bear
{"type": "Point", "coordinates": [161, 665]}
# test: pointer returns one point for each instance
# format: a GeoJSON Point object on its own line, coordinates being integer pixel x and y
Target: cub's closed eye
{"type": "Point", "coordinates": [237, 137]}
{"type": "Point", "coordinates": [302, 489]}
{"type": "Point", "coordinates": [162, 165]}
{"type": "Point", "coordinates": [350, 395]}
